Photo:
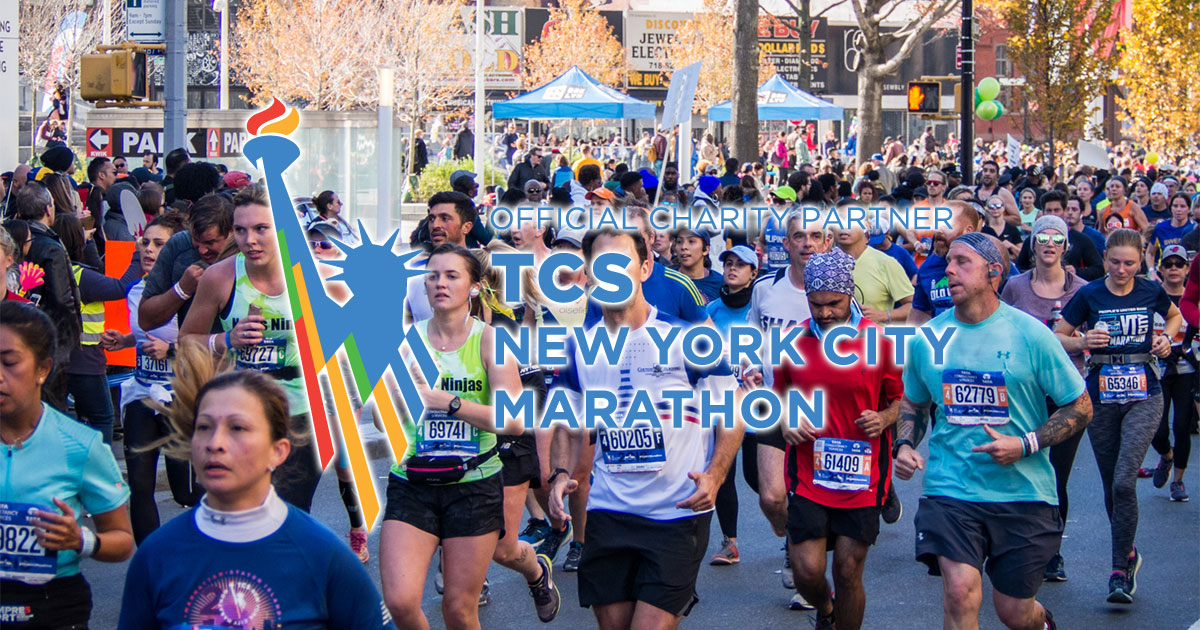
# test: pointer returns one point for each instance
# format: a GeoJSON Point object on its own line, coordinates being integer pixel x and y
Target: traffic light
{"type": "Point", "coordinates": [924, 97]}
{"type": "Point", "coordinates": [119, 75]}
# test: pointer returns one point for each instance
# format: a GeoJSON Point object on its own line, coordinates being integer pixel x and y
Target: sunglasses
{"type": "Point", "coordinates": [1046, 239]}
{"type": "Point", "coordinates": [934, 182]}
{"type": "Point", "coordinates": [995, 206]}
{"type": "Point", "coordinates": [1173, 264]}
{"type": "Point", "coordinates": [320, 245]}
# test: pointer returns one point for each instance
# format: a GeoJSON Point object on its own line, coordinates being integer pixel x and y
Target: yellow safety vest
{"type": "Point", "coordinates": [93, 316]}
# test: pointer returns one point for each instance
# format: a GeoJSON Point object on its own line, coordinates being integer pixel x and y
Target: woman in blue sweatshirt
{"type": "Point", "coordinates": [242, 558]}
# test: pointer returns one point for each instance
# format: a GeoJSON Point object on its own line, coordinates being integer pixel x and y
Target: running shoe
{"type": "Point", "coordinates": [1162, 472]}
{"type": "Point", "coordinates": [727, 555]}
{"type": "Point", "coordinates": [789, 581]}
{"type": "Point", "coordinates": [535, 532]}
{"type": "Point", "coordinates": [1178, 492]}
{"type": "Point", "coordinates": [799, 603]}
{"type": "Point", "coordinates": [825, 622]}
{"type": "Point", "coordinates": [1135, 565]}
{"type": "Point", "coordinates": [1145, 473]}
{"type": "Point", "coordinates": [439, 583]}
{"type": "Point", "coordinates": [574, 554]}
{"type": "Point", "coordinates": [1056, 569]}
{"type": "Point", "coordinates": [1049, 619]}
{"type": "Point", "coordinates": [358, 544]}
{"type": "Point", "coordinates": [554, 541]}
{"type": "Point", "coordinates": [892, 508]}
{"type": "Point", "coordinates": [544, 591]}
{"type": "Point", "coordinates": [1118, 589]}
{"type": "Point", "coordinates": [485, 593]}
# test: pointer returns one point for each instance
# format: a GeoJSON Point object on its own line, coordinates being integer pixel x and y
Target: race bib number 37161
{"type": "Point", "coordinates": [974, 398]}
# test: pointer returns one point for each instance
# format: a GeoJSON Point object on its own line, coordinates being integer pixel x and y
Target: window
{"type": "Point", "coordinates": [1003, 65]}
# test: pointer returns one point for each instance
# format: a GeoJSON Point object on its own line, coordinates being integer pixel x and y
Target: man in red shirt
{"type": "Point", "coordinates": [837, 475]}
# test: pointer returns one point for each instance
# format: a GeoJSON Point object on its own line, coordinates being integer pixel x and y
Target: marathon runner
{"type": "Point", "coordinates": [1123, 382]}
{"type": "Point", "coordinates": [247, 294]}
{"type": "Point", "coordinates": [1178, 382]}
{"type": "Point", "coordinates": [653, 488]}
{"type": "Point", "coordinates": [242, 558]}
{"type": "Point", "coordinates": [56, 471]}
{"type": "Point", "coordinates": [447, 489]}
{"type": "Point", "coordinates": [838, 475]}
{"type": "Point", "coordinates": [989, 496]}
{"type": "Point", "coordinates": [932, 297]}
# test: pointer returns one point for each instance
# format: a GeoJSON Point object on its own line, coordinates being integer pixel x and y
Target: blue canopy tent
{"type": "Point", "coordinates": [574, 94]}
{"type": "Point", "coordinates": [780, 100]}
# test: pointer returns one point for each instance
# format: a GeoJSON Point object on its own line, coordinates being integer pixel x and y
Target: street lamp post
{"type": "Point", "coordinates": [383, 164]}
{"type": "Point", "coordinates": [480, 104]}
{"type": "Point", "coordinates": [222, 7]}
{"type": "Point", "coordinates": [967, 106]}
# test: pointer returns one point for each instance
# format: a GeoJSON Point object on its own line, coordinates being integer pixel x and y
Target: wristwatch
{"type": "Point", "coordinates": [554, 475]}
{"type": "Point", "coordinates": [899, 443]}
{"type": "Point", "coordinates": [455, 403]}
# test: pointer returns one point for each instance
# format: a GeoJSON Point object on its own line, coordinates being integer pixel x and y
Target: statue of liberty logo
{"type": "Point", "coordinates": [369, 326]}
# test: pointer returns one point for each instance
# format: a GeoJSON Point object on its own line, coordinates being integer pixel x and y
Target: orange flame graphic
{"type": "Point", "coordinates": [273, 119]}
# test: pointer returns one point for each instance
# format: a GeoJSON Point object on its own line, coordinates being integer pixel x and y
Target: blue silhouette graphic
{"type": "Point", "coordinates": [371, 323]}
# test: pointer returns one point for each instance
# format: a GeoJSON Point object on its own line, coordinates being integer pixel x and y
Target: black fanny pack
{"type": "Point", "coordinates": [442, 469]}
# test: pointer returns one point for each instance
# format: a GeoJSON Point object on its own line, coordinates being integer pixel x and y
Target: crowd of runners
{"type": "Point", "coordinates": [1073, 299]}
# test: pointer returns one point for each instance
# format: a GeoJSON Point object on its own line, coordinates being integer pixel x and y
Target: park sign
{"type": "Point", "coordinates": [503, 44]}
{"type": "Point", "coordinates": [210, 142]}
{"type": "Point", "coordinates": [145, 21]}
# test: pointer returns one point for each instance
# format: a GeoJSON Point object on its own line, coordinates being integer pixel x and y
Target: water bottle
{"type": "Point", "coordinates": [1056, 314]}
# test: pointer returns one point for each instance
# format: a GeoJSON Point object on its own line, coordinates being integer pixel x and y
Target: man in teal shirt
{"type": "Point", "coordinates": [989, 490]}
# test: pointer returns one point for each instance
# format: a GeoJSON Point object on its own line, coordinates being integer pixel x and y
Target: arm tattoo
{"type": "Point", "coordinates": [1065, 422]}
{"type": "Point", "coordinates": [911, 422]}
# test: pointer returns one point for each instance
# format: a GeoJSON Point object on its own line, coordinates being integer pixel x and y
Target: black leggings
{"type": "Point", "coordinates": [1177, 393]}
{"type": "Point", "coordinates": [142, 427]}
{"type": "Point", "coordinates": [727, 501]}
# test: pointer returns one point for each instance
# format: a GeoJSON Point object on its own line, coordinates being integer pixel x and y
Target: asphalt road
{"type": "Point", "coordinates": [899, 593]}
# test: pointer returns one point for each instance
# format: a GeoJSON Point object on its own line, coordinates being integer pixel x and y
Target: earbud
{"type": "Point", "coordinates": [993, 273]}
{"type": "Point", "coordinates": [474, 293]}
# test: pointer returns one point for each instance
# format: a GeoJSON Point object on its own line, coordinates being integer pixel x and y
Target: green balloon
{"type": "Point", "coordinates": [989, 88]}
{"type": "Point", "coordinates": [978, 100]}
{"type": "Point", "coordinates": [987, 110]}
{"type": "Point", "coordinates": [999, 110]}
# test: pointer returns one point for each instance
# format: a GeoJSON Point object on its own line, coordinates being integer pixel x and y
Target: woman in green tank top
{"type": "Point", "coordinates": [447, 489]}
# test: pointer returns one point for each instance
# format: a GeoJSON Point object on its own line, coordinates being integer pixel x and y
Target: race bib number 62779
{"type": "Point", "coordinates": [974, 398]}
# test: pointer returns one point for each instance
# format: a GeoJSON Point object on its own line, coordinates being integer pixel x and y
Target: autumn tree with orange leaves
{"type": "Point", "coordinates": [316, 53]}
{"type": "Point", "coordinates": [575, 35]}
{"type": "Point", "coordinates": [1060, 48]}
{"type": "Point", "coordinates": [709, 39]}
{"type": "Point", "coordinates": [1158, 73]}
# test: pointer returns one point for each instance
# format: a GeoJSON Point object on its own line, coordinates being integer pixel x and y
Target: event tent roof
{"type": "Point", "coordinates": [780, 100]}
{"type": "Point", "coordinates": [574, 94]}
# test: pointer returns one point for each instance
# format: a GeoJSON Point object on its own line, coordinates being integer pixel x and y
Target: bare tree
{"type": "Point", "coordinates": [744, 114]}
{"type": "Point", "coordinates": [56, 33]}
{"type": "Point", "coordinates": [876, 64]}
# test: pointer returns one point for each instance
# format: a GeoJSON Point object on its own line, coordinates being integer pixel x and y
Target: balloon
{"type": "Point", "coordinates": [978, 100]}
{"type": "Point", "coordinates": [1152, 157]}
{"type": "Point", "coordinates": [987, 110]}
{"type": "Point", "coordinates": [989, 88]}
{"type": "Point", "coordinates": [999, 110]}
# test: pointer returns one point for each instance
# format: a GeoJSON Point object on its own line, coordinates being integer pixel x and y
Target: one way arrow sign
{"type": "Point", "coordinates": [99, 142]}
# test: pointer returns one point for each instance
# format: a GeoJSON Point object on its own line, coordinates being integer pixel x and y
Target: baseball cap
{"type": "Point", "coordinates": [236, 179]}
{"type": "Point", "coordinates": [877, 156]}
{"type": "Point", "coordinates": [456, 175]}
{"type": "Point", "coordinates": [784, 192]}
{"type": "Point", "coordinates": [743, 253]}
{"type": "Point", "coordinates": [700, 232]}
{"type": "Point", "coordinates": [570, 236]}
{"type": "Point", "coordinates": [1159, 188]}
{"type": "Point", "coordinates": [602, 193]}
{"type": "Point", "coordinates": [921, 192]}
{"type": "Point", "coordinates": [878, 233]}
{"type": "Point", "coordinates": [1174, 250]}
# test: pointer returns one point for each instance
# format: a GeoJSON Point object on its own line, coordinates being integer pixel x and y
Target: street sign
{"type": "Point", "coordinates": [1011, 81]}
{"type": "Point", "coordinates": [9, 134]}
{"type": "Point", "coordinates": [924, 97]}
{"type": "Point", "coordinates": [214, 142]}
{"type": "Point", "coordinates": [99, 142]}
{"type": "Point", "coordinates": [224, 142]}
{"type": "Point", "coordinates": [681, 94]}
{"type": "Point", "coordinates": [145, 21]}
